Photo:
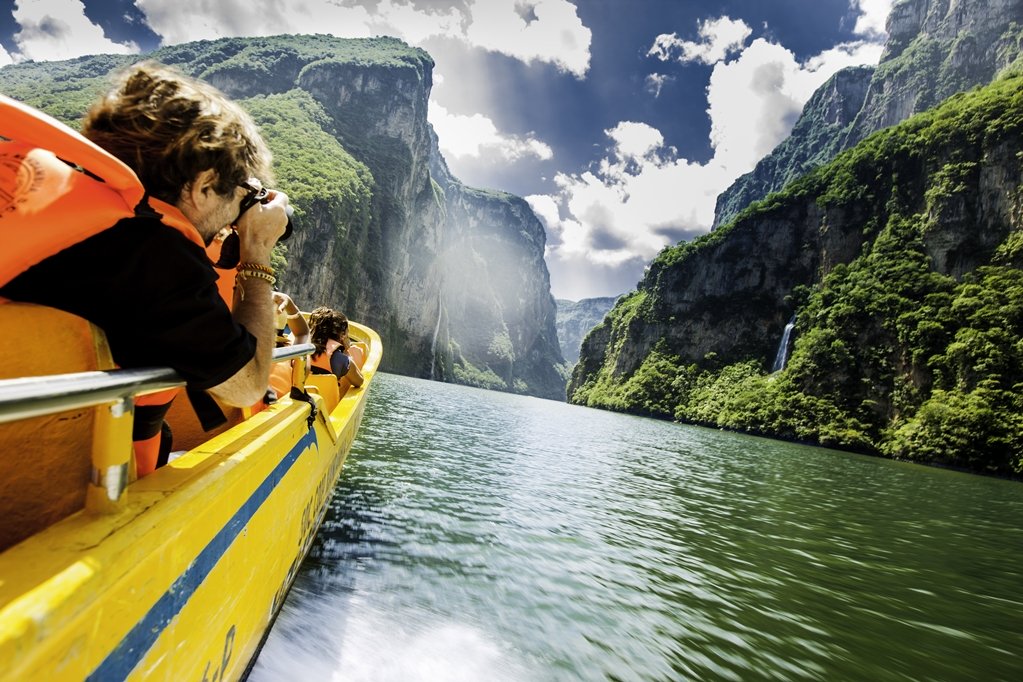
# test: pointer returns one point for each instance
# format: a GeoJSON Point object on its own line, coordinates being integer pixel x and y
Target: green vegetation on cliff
{"type": "Point", "coordinates": [64, 90]}
{"type": "Point", "coordinates": [322, 179]}
{"type": "Point", "coordinates": [895, 354]}
{"type": "Point", "coordinates": [932, 52]}
{"type": "Point", "coordinates": [275, 58]}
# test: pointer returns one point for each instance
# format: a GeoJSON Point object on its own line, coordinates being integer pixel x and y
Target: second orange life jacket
{"type": "Point", "coordinates": [323, 359]}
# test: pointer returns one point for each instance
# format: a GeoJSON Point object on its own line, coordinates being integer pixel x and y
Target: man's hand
{"type": "Point", "coordinates": [261, 226]}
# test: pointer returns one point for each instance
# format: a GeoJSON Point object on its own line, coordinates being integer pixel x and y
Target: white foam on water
{"type": "Point", "coordinates": [326, 639]}
{"type": "Point", "coordinates": [449, 652]}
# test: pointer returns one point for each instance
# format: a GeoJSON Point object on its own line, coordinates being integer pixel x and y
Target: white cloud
{"type": "Point", "coordinates": [552, 31]}
{"type": "Point", "coordinates": [475, 136]}
{"type": "Point", "coordinates": [641, 197]}
{"type": "Point", "coordinates": [417, 25]}
{"type": "Point", "coordinates": [754, 100]}
{"type": "Point", "coordinates": [5, 57]}
{"type": "Point", "coordinates": [546, 208]}
{"type": "Point", "coordinates": [59, 29]}
{"type": "Point", "coordinates": [638, 200]}
{"type": "Point", "coordinates": [872, 17]}
{"type": "Point", "coordinates": [574, 273]}
{"type": "Point", "coordinates": [635, 140]}
{"type": "Point", "coordinates": [557, 34]}
{"type": "Point", "coordinates": [179, 21]}
{"type": "Point", "coordinates": [655, 82]}
{"type": "Point", "coordinates": [720, 38]}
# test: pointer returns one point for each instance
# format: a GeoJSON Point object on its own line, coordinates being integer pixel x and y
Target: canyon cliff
{"type": "Point", "coordinates": [576, 319]}
{"type": "Point", "coordinates": [899, 260]}
{"type": "Point", "coordinates": [935, 48]}
{"type": "Point", "coordinates": [453, 278]}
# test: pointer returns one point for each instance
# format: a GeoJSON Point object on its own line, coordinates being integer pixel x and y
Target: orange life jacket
{"type": "Point", "coordinates": [47, 205]}
{"type": "Point", "coordinates": [323, 359]}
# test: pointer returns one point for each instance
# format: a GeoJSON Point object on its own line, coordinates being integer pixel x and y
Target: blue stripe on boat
{"type": "Point", "coordinates": [122, 660]}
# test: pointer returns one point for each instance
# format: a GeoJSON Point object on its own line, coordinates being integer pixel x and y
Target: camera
{"type": "Point", "coordinates": [230, 250]}
{"type": "Point", "coordinates": [262, 196]}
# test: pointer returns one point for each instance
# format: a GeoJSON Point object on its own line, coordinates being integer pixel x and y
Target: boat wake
{"type": "Point", "coordinates": [338, 637]}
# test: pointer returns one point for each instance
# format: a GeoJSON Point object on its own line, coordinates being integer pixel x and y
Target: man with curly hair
{"type": "Point", "coordinates": [151, 287]}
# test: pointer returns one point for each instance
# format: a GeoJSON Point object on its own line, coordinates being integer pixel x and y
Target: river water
{"type": "Point", "coordinates": [482, 536]}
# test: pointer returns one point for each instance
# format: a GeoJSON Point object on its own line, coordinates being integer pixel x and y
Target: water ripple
{"type": "Point", "coordinates": [484, 536]}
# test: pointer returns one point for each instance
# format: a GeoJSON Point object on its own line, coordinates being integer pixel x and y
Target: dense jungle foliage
{"type": "Point", "coordinates": [891, 356]}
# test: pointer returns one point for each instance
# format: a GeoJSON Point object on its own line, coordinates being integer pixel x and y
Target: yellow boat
{"type": "Point", "coordinates": [175, 576]}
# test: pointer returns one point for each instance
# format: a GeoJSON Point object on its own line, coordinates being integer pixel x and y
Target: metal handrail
{"type": "Point", "coordinates": [291, 352]}
{"type": "Point", "coordinates": [34, 396]}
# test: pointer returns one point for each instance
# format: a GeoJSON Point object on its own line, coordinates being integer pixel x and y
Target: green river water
{"type": "Point", "coordinates": [483, 536]}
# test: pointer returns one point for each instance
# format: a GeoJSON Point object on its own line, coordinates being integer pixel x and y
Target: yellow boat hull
{"type": "Point", "coordinates": [183, 582]}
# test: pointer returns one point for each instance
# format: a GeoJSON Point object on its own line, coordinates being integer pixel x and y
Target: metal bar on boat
{"type": "Point", "coordinates": [34, 396]}
{"type": "Point", "coordinates": [290, 352]}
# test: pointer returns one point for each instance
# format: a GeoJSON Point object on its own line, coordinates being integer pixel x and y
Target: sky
{"type": "Point", "coordinates": [619, 121]}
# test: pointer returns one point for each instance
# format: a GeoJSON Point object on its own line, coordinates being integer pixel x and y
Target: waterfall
{"type": "Point", "coordinates": [783, 347]}
{"type": "Point", "coordinates": [436, 330]}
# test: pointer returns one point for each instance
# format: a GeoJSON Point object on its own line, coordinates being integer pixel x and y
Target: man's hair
{"type": "Point", "coordinates": [168, 127]}
{"type": "Point", "coordinates": [326, 324]}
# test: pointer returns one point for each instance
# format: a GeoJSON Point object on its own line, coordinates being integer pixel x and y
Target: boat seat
{"type": "Point", "coordinates": [46, 462]}
{"type": "Point", "coordinates": [326, 386]}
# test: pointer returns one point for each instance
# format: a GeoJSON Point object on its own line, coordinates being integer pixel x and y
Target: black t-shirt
{"type": "Point", "coordinates": [153, 292]}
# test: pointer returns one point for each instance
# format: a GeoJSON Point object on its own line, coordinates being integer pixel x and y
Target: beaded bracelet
{"type": "Point", "coordinates": [254, 274]}
{"type": "Point", "coordinates": [256, 266]}
{"type": "Point", "coordinates": [257, 274]}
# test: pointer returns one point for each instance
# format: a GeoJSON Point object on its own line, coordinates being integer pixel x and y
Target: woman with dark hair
{"type": "Point", "coordinates": [329, 331]}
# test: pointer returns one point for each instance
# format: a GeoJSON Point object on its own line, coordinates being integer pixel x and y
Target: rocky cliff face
{"type": "Point", "coordinates": [900, 262]}
{"type": "Point", "coordinates": [935, 48]}
{"type": "Point", "coordinates": [576, 319]}
{"type": "Point", "coordinates": [721, 304]}
{"type": "Point", "coordinates": [816, 138]}
{"type": "Point", "coordinates": [452, 277]}
{"type": "Point", "coordinates": [728, 298]}
{"type": "Point", "coordinates": [493, 313]}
